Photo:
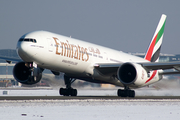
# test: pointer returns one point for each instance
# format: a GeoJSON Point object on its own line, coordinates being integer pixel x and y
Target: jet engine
{"type": "Point", "coordinates": [26, 74]}
{"type": "Point", "coordinates": [132, 74]}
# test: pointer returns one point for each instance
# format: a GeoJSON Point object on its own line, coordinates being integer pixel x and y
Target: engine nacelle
{"type": "Point", "coordinates": [27, 75]}
{"type": "Point", "coordinates": [132, 74]}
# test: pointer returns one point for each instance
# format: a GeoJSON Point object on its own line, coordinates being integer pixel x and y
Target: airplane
{"type": "Point", "coordinates": [82, 60]}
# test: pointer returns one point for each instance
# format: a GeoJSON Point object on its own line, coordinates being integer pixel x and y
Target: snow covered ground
{"type": "Point", "coordinates": [122, 109]}
{"type": "Point", "coordinates": [90, 110]}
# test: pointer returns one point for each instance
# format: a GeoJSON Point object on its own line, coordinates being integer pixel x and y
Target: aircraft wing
{"type": "Point", "coordinates": [164, 66]}
{"type": "Point", "coordinates": [107, 68]}
{"type": "Point", "coordinates": [160, 65]}
{"type": "Point", "coordinates": [111, 68]}
{"type": "Point", "coordinates": [10, 59]}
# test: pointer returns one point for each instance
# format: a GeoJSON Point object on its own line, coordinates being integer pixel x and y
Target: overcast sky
{"type": "Point", "coordinates": [125, 25]}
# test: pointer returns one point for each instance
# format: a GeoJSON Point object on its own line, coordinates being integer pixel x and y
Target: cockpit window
{"type": "Point", "coordinates": [21, 39]}
{"type": "Point", "coordinates": [28, 40]}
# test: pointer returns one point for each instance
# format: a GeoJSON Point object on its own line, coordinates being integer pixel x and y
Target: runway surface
{"type": "Point", "coordinates": [86, 97]}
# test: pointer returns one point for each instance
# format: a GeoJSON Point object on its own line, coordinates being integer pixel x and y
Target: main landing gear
{"type": "Point", "coordinates": [68, 91]}
{"type": "Point", "coordinates": [126, 92]}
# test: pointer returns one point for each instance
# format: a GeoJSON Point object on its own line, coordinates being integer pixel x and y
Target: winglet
{"type": "Point", "coordinates": [153, 51]}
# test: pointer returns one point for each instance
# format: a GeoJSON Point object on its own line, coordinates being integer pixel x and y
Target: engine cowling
{"type": "Point", "coordinates": [132, 74]}
{"type": "Point", "coordinates": [26, 75]}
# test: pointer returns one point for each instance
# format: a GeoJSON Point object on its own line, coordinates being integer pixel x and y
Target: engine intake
{"type": "Point", "coordinates": [26, 75]}
{"type": "Point", "coordinates": [132, 74]}
{"type": "Point", "coordinates": [127, 73]}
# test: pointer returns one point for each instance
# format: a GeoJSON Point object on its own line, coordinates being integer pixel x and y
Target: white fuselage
{"type": "Point", "coordinates": [71, 56]}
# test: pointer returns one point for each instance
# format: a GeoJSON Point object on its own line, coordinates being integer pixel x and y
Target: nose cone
{"type": "Point", "coordinates": [23, 51]}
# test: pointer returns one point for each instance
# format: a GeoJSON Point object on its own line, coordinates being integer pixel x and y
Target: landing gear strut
{"type": "Point", "coordinates": [68, 91]}
{"type": "Point", "coordinates": [126, 92]}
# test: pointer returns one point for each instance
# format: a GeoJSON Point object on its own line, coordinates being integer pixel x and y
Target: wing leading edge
{"type": "Point", "coordinates": [10, 59]}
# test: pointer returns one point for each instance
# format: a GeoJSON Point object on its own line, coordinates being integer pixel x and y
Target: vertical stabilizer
{"type": "Point", "coordinates": [153, 51]}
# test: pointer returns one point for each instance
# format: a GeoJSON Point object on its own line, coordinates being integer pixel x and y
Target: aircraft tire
{"type": "Point", "coordinates": [73, 92]}
{"type": "Point", "coordinates": [68, 92]}
{"type": "Point", "coordinates": [126, 93]}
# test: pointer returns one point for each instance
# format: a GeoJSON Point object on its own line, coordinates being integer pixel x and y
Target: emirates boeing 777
{"type": "Point", "coordinates": [77, 59]}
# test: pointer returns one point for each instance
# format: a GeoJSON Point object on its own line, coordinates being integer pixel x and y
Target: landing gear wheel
{"type": "Point", "coordinates": [73, 92]}
{"type": "Point", "coordinates": [131, 93]}
{"type": "Point", "coordinates": [122, 93]}
{"type": "Point", "coordinates": [62, 91]}
{"type": "Point", "coordinates": [68, 92]}
{"type": "Point", "coordinates": [126, 93]}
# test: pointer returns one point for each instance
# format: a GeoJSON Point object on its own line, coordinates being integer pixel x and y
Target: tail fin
{"type": "Point", "coordinates": [153, 51]}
